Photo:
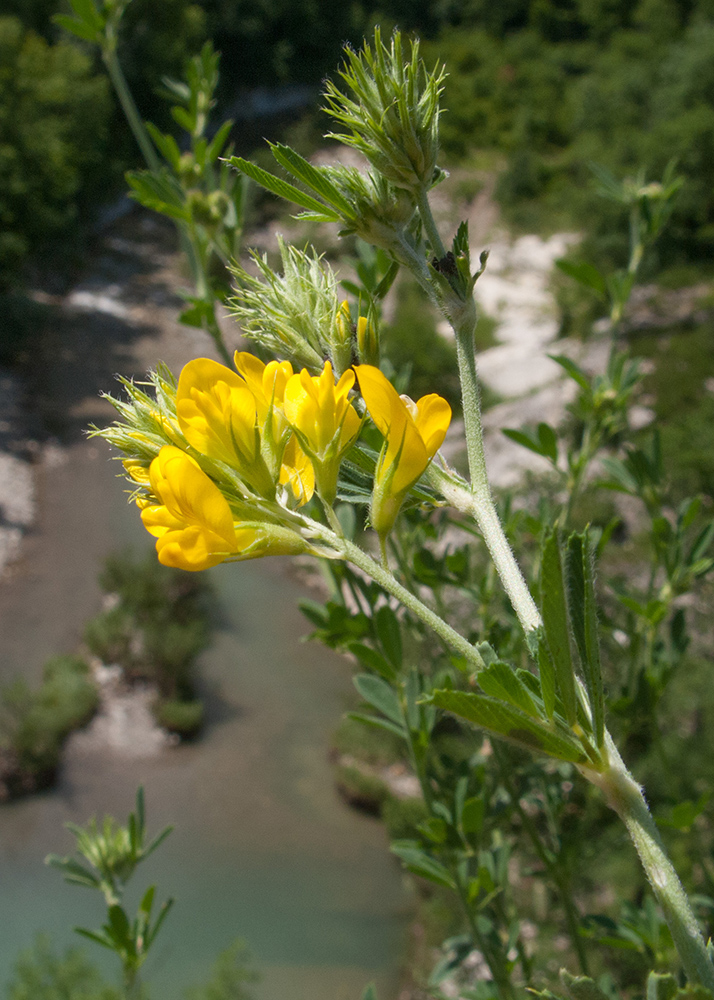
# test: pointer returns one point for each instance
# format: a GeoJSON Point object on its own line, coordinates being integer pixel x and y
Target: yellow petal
{"type": "Point", "coordinates": [188, 495]}
{"type": "Point", "coordinates": [432, 421]}
{"type": "Point", "coordinates": [217, 412]}
{"type": "Point", "coordinates": [297, 472]}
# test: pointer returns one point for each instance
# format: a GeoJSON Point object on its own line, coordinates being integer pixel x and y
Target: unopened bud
{"type": "Point", "coordinates": [368, 340]}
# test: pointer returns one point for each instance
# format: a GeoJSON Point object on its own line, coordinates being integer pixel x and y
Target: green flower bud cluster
{"type": "Point", "coordinates": [394, 116]}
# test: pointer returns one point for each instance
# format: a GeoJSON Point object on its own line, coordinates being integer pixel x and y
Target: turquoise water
{"type": "Point", "coordinates": [263, 849]}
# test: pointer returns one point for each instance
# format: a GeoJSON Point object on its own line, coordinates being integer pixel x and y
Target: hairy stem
{"type": "Point", "coordinates": [385, 579]}
{"type": "Point", "coordinates": [625, 796]}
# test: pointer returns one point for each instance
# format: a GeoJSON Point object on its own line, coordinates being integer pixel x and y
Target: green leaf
{"type": "Point", "coordinates": [388, 630]}
{"type": "Point", "coordinates": [105, 942]}
{"type": "Point", "coordinates": [311, 177]}
{"type": "Point", "coordinates": [417, 861]}
{"type": "Point", "coordinates": [378, 723]}
{"type": "Point", "coordinates": [574, 371]}
{"type": "Point", "coordinates": [584, 273]}
{"type": "Point", "coordinates": [683, 814]}
{"type": "Point", "coordinates": [500, 681]}
{"type": "Point", "coordinates": [87, 12]}
{"type": "Point", "coordinates": [369, 992]}
{"type": "Point", "coordinates": [473, 814]}
{"type": "Point", "coordinates": [218, 141]}
{"type": "Point", "coordinates": [166, 145]}
{"type": "Point", "coordinates": [379, 695]}
{"type": "Point", "coordinates": [163, 914]}
{"type": "Point", "coordinates": [281, 188]}
{"type": "Point", "coordinates": [548, 441]}
{"type": "Point", "coordinates": [372, 660]}
{"type": "Point", "coordinates": [583, 616]}
{"type": "Point", "coordinates": [546, 671]}
{"type": "Point", "coordinates": [529, 440]}
{"type": "Point", "coordinates": [118, 928]}
{"type": "Point", "coordinates": [511, 723]}
{"type": "Point", "coordinates": [79, 28]}
{"type": "Point", "coordinates": [555, 622]}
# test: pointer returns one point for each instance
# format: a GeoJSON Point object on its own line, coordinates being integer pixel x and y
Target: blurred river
{"type": "Point", "coordinates": [263, 848]}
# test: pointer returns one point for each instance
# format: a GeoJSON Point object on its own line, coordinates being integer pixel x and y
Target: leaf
{"type": "Point", "coordinates": [583, 617]}
{"type": "Point", "coordinates": [163, 914]}
{"type": "Point", "coordinates": [281, 188]}
{"type": "Point", "coordinates": [683, 814]}
{"type": "Point", "coordinates": [417, 861]}
{"type": "Point", "coordinates": [372, 660]}
{"type": "Point", "coordinates": [548, 442]}
{"type": "Point", "coordinates": [555, 622]}
{"type": "Point", "coordinates": [511, 723]}
{"type": "Point", "coordinates": [500, 681]}
{"type": "Point", "coordinates": [527, 439]}
{"type": "Point", "coordinates": [388, 630]}
{"type": "Point", "coordinates": [574, 371]}
{"type": "Point", "coordinates": [118, 929]}
{"type": "Point", "coordinates": [79, 28]}
{"type": "Point", "coordinates": [378, 723]}
{"type": "Point", "coordinates": [87, 11]}
{"type": "Point", "coordinates": [93, 936]}
{"type": "Point", "coordinates": [166, 145]}
{"type": "Point", "coordinates": [219, 140]}
{"type": "Point", "coordinates": [546, 671]}
{"type": "Point", "coordinates": [473, 814]}
{"type": "Point", "coordinates": [312, 177]}
{"type": "Point", "coordinates": [379, 695]}
{"type": "Point", "coordinates": [369, 992]}
{"type": "Point", "coordinates": [584, 273]}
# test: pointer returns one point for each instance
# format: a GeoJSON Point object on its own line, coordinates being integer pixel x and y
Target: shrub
{"type": "Point", "coordinates": [34, 724]}
{"type": "Point", "coordinates": [109, 636]}
{"type": "Point", "coordinates": [363, 791]}
{"type": "Point", "coordinates": [41, 974]}
{"type": "Point", "coordinates": [182, 717]}
{"type": "Point", "coordinates": [54, 123]}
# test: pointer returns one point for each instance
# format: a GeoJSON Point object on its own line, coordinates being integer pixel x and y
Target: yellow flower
{"type": "Point", "coordinates": [267, 383]}
{"type": "Point", "coordinates": [413, 434]}
{"type": "Point", "coordinates": [324, 420]}
{"type": "Point", "coordinates": [193, 523]}
{"type": "Point", "coordinates": [218, 414]}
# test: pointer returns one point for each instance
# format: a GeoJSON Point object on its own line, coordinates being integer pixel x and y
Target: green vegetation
{"type": "Point", "coordinates": [557, 85]}
{"type": "Point", "coordinates": [156, 625]}
{"type": "Point", "coordinates": [42, 974]}
{"type": "Point", "coordinates": [54, 124]}
{"type": "Point", "coordinates": [34, 724]}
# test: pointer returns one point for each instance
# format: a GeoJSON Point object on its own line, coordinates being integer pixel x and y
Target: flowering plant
{"type": "Point", "coordinates": [258, 459]}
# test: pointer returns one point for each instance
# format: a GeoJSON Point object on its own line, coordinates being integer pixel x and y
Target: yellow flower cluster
{"type": "Point", "coordinates": [240, 448]}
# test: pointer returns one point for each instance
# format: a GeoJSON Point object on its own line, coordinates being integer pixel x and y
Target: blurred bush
{"type": "Point", "coordinates": [34, 724]}
{"type": "Point", "coordinates": [156, 624]}
{"type": "Point", "coordinates": [54, 121]}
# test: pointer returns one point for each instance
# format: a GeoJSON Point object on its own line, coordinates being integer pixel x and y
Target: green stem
{"type": "Point", "coordinates": [129, 107]}
{"type": "Point", "coordinates": [427, 220]}
{"type": "Point", "coordinates": [481, 507]}
{"type": "Point", "coordinates": [385, 579]}
{"type": "Point", "coordinates": [625, 796]}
